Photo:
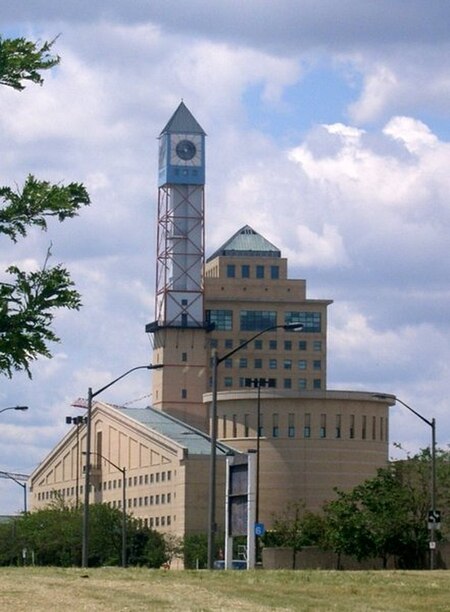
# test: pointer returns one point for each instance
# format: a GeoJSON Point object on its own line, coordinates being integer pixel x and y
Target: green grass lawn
{"type": "Point", "coordinates": [58, 590]}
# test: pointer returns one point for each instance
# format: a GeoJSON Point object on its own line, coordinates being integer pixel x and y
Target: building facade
{"type": "Point", "coordinates": [166, 469]}
{"type": "Point", "coordinates": [272, 393]}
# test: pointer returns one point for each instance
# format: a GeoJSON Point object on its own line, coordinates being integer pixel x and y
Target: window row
{"type": "Point", "coordinates": [285, 383]}
{"type": "Point", "coordinates": [153, 521]}
{"type": "Point", "coordinates": [363, 428]}
{"type": "Point", "coordinates": [258, 271]}
{"type": "Point", "coordinates": [274, 364]}
{"type": "Point", "coordinates": [260, 344]}
{"type": "Point", "coordinates": [258, 320]}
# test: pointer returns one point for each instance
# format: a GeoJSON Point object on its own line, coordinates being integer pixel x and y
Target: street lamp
{"type": "Point", "coordinates": [124, 501]}
{"type": "Point", "coordinates": [216, 360]}
{"type": "Point", "coordinates": [15, 478]}
{"type": "Point", "coordinates": [14, 408]}
{"type": "Point", "coordinates": [258, 383]}
{"type": "Point", "coordinates": [87, 483]}
{"type": "Point", "coordinates": [78, 421]}
{"type": "Point", "coordinates": [431, 424]}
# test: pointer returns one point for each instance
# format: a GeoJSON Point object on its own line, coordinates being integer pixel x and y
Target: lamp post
{"type": "Point", "coordinates": [21, 484]}
{"type": "Point", "coordinates": [7, 474]}
{"type": "Point", "coordinates": [87, 483]}
{"type": "Point", "coordinates": [124, 501]}
{"type": "Point", "coordinates": [14, 408]}
{"type": "Point", "coordinates": [216, 361]}
{"type": "Point", "coordinates": [78, 421]}
{"type": "Point", "coordinates": [431, 424]}
{"type": "Point", "coordinates": [258, 383]}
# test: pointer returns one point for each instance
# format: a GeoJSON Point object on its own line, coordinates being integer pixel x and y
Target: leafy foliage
{"type": "Point", "coordinates": [23, 60]}
{"type": "Point", "coordinates": [28, 302]}
{"type": "Point", "coordinates": [54, 536]}
{"type": "Point", "coordinates": [37, 201]}
{"type": "Point", "coordinates": [383, 517]}
{"type": "Point", "coordinates": [294, 528]}
{"type": "Point", "coordinates": [195, 551]}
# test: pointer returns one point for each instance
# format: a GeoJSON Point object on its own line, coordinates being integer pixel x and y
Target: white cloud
{"type": "Point", "coordinates": [361, 211]}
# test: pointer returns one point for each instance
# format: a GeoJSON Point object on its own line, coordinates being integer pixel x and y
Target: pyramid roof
{"type": "Point", "coordinates": [183, 121]}
{"type": "Point", "coordinates": [246, 242]}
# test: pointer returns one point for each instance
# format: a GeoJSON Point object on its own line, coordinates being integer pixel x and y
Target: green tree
{"type": "Point", "coordinates": [387, 515]}
{"type": "Point", "coordinates": [29, 301]}
{"type": "Point", "coordinates": [195, 551]}
{"type": "Point", "coordinates": [294, 528]}
{"type": "Point", "coordinates": [54, 536]}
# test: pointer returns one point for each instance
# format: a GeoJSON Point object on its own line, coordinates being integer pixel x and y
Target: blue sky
{"type": "Point", "coordinates": [328, 132]}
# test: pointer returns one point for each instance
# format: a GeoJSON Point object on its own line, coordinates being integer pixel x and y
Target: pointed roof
{"type": "Point", "coordinates": [183, 121]}
{"type": "Point", "coordinates": [246, 242]}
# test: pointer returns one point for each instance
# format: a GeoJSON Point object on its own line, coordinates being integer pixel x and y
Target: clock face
{"type": "Point", "coordinates": [185, 150]}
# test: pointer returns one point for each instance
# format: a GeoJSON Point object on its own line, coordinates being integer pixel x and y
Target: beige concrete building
{"type": "Point", "coordinates": [311, 439]}
{"type": "Point", "coordinates": [166, 462]}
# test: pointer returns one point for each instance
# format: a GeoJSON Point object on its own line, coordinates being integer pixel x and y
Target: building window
{"type": "Point", "coordinates": [183, 356]}
{"type": "Point", "coordinates": [246, 425]}
{"type": "Point", "coordinates": [224, 425]}
{"type": "Point", "coordinates": [338, 425]}
{"type": "Point", "coordinates": [183, 393]}
{"type": "Point", "coordinates": [364, 427]}
{"type": "Point", "coordinates": [261, 426]}
{"type": "Point", "coordinates": [288, 345]}
{"type": "Point", "coordinates": [228, 343]}
{"type": "Point", "coordinates": [234, 426]}
{"type": "Point", "coordinates": [287, 383]}
{"type": "Point", "coordinates": [169, 497]}
{"type": "Point", "coordinates": [169, 475]}
{"type": "Point", "coordinates": [258, 344]}
{"type": "Point", "coordinates": [274, 272]}
{"type": "Point", "coordinates": [302, 383]}
{"type": "Point", "coordinates": [245, 271]}
{"type": "Point", "coordinates": [243, 362]}
{"type": "Point", "coordinates": [273, 364]}
{"type": "Point", "coordinates": [374, 428]}
{"type": "Point", "coordinates": [302, 364]}
{"type": "Point", "coordinates": [229, 362]}
{"type": "Point", "coordinates": [258, 363]}
{"type": "Point", "coordinates": [275, 426]}
{"type": "Point", "coordinates": [257, 320]}
{"type": "Point", "coordinates": [291, 425]}
{"type": "Point", "coordinates": [317, 383]}
{"type": "Point", "coordinates": [163, 476]}
{"type": "Point", "coordinates": [302, 345]}
{"type": "Point", "coordinates": [381, 428]}
{"type": "Point", "coordinates": [307, 427]}
{"type": "Point", "coordinates": [287, 364]}
{"type": "Point", "coordinates": [222, 319]}
{"type": "Point", "coordinates": [231, 271]}
{"type": "Point", "coordinates": [273, 345]}
{"type": "Point", "coordinates": [213, 343]}
{"type": "Point", "coordinates": [323, 425]}
{"type": "Point", "coordinates": [352, 426]}
{"type": "Point", "coordinates": [311, 321]}
{"type": "Point", "coordinates": [317, 364]}
{"type": "Point", "coordinates": [317, 345]}
{"type": "Point", "coordinates": [228, 381]}
{"type": "Point", "coordinates": [259, 271]}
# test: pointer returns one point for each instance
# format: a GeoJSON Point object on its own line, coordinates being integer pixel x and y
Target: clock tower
{"type": "Point", "coordinates": [179, 330]}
